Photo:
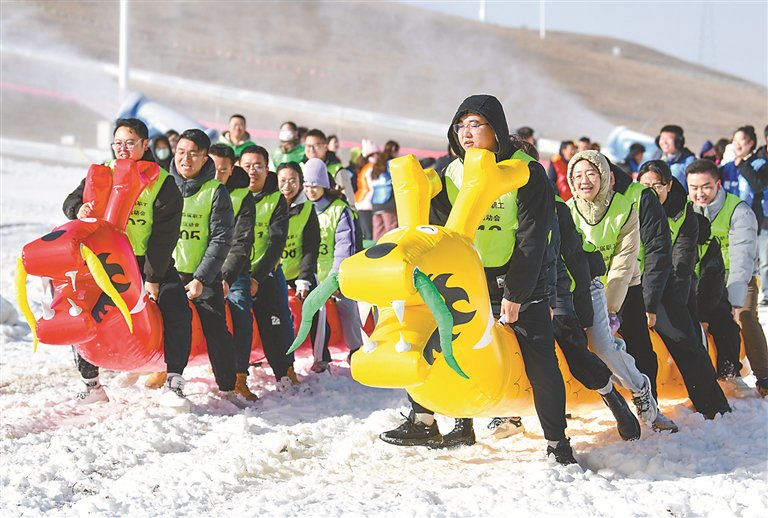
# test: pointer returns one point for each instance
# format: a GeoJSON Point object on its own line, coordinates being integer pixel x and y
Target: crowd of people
{"type": "Point", "coordinates": [584, 250]}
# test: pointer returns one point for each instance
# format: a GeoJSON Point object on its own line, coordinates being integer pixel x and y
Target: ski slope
{"type": "Point", "coordinates": [313, 450]}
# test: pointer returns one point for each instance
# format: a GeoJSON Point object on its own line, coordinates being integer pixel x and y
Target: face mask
{"type": "Point", "coordinates": [162, 153]}
{"type": "Point", "coordinates": [286, 135]}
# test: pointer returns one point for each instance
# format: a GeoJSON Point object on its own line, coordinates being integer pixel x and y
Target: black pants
{"type": "Point", "coordinates": [221, 350]}
{"type": "Point", "coordinates": [725, 333]}
{"type": "Point", "coordinates": [177, 327]}
{"type": "Point", "coordinates": [270, 308]}
{"type": "Point", "coordinates": [676, 328]}
{"type": "Point", "coordinates": [585, 366]}
{"type": "Point", "coordinates": [634, 330]}
{"type": "Point", "coordinates": [537, 344]}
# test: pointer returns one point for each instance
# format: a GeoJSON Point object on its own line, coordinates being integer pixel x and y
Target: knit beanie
{"type": "Point", "coordinates": [316, 173]}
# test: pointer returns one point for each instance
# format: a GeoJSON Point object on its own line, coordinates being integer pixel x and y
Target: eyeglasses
{"type": "Point", "coordinates": [657, 186]}
{"type": "Point", "coordinates": [590, 175]}
{"type": "Point", "coordinates": [290, 181]}
{"type": "Point", "coordinates": [472, 126]}
{"type": "Point", "coordinates": [314, 146]}
{"type": "Point", "coordinates": [127, 144]}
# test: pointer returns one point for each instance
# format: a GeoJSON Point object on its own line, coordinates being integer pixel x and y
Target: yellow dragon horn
{"type": "Point", "coordinates": [23, 301]}
{"type": "Point", "coordinates": [414, 188]}
{"type": "Point", "coordinates": [484, 181]}
{"type": "Point", "coordinates": [105, 283]}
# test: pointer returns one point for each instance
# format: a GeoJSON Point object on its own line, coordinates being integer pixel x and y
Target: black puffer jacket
{"type": "Point", "coordinates": [237, 261]}
{"type": "Point", "coordinates": [220, 223]}
{"type": "Point", "coordinates": [684, 248]}
{"type": "Point", "coordinates": [166, 222]}
{"type": "Point", "coordinates": [277, 233]}
{"type": "Point", "coordinates": [527, 274]}
{"type": "Point", "coordinates": [710, 289]}
{"type": "Point", "coordinates": [656, 239]}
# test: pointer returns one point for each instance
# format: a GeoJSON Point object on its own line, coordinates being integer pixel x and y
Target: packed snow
{"type": "Point", "coordinates": [313, 450]}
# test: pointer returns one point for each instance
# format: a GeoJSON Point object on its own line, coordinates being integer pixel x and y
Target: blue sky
{"type": "Point", "coordinates": [727, 36]}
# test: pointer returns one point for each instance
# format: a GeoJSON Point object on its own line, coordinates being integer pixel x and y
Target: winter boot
{"type": "Point", "coordinates": [626, 422]}
{"type": "Point", "coordinates": [502, 427]}
{"type": "Point", "coordinates": [413, 433]}
{"type": "Point", "coordinates": [463, 434]}
{"type": "Point", "coordinates": [762, 386]}
{"type": "Point", "coordinates": [93, 393]}
{"type": "Point", "coordinates": [292, 375]}
{"type": "Point", "coordinates": [156, 380]}
{"type": "Point", "coordinates": [320, 366]}
{"type": "Point", "coordinates": [234, 398]}
{"type": "Point", "coordinates": [173, 393]}
{"type": "Point", "coordinates": [645, 405]}
{"type": "Point", "coordinates": [562, 452]}
{"type": "Point", "coordinates": [663, 423]}
{"type": "Point", "coordinates": [734, 386]}
{"type": "Point", "coordinates": [241, 387]}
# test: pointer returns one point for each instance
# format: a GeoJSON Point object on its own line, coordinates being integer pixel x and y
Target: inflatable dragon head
{"type": "Point", "coordinates": [436, 331]}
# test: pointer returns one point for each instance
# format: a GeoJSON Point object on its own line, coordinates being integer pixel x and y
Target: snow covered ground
{"type": "Point", "coordinates": [313, 450]}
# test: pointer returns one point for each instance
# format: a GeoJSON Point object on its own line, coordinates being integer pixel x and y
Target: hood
{"type": "Point", "coordinates": [595, 210]}
{"type": "Point", "coordinates": [238, 179]}
{"type": "Point", "coordinates": [191, 186]}
{"type": "Point", "coordinates": [490, 108]}
{"type": "Point", "coordinates": [676, 199]}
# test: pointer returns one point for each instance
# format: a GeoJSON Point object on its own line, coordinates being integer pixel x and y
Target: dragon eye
{"type": "Point", "coordinates": [427, 229]}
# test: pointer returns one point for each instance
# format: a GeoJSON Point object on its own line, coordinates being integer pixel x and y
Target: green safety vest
{"type": "Point", "coordinates": [264, 209]}
{"type": "Point", "coordinates": [721, 226]}
{"type": "Point", "coordinates": [496, 235]}
{"type": "Point", "coordinates": [294, 249]}
{"type": "Point", "coordinates": [605, 233]}
{"type": "Point", "coordinates": [195, 227]}
{"type": "Point", "coordinates": [278, 157]}
{"type": "Point", "coordinates": [139, 226]}
{"type": "Point", "coordinates": [237, 196]}
{"type": "Point", "coordinates": [329, 221]}
{"type": "Point", "coordinates": [675, 224]}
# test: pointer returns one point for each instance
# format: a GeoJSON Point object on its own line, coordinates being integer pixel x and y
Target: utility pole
{"type": "Point", "coordinates": [122, 67]}
{"type": "Point", "coordinates": [542, 20]}
{"type": "Point", "coordinates": [481, 11]}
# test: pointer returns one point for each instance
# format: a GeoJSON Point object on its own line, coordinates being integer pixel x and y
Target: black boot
{"type": "Point", "coordinates": [463, 434]}
{"type": "Point", "coordinates": [562, 452]}
{"type": "Point", "coordinates": [413, 433]}
{"type": "Point", "coordinates": [626, 422]}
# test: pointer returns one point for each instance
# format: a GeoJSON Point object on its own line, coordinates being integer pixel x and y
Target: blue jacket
{"type": "Point", "coordinates": [677, 164]}
{"type": "Point", "coordinates": [749, 181]}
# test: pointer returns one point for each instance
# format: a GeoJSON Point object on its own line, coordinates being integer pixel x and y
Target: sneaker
{"type": "Point", "coordinates": [463, 434]}
{"type": "Point", "coordinates": [156, 380]}
{"type": "Point", "coordinates": [644, 403]}
{"type": "Point", "coordinates": [762, 387]}
{"type": "Point", "coordinates": [234, 398]}
{"type": "Point", "coordinates": [763, 301]}
{"type": "Point", "coordinates": [241, 388]}
{"type": "Point", "coordinates": [173, 393]}
{"type": "Point", "coordinates": [319, 367]}
{"type": "Point", "coordinates": [626, 422]}
{"type": "Point", "coordinates": [663, 423]}
{"type": "Point", "coordinates": [94, 393]}
{"type": "Point", "coordinates": [735, 387]}
{"type": "Point", "coordinates": [413, 433]}
{"type": "Point", "coordinates": [502, 427]}
{"type": "Point", "coordinates": [562, 452]}
{"type": "Point", "coordinates": [291, 375]}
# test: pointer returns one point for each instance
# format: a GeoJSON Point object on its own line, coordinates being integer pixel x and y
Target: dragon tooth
{"type": "Point", "coordinates": [72, 276]}
{"type": "Point", "coordinates": [75, 310]}
{"type": "Point", "coordinates": [402, 346]}
{"type": "Point", "coordinates": [368, 345]}
{"type": "Point", "coordinates": [399, 307]}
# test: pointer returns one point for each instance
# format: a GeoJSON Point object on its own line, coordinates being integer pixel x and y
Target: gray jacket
{"type": "Point", "coordinates": [742, 246]}
{"type": "Point", "coordinates": [221, 222]}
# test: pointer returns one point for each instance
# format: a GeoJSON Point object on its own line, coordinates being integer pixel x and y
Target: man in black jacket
{"type": "Point", "coordinates": [236, 281]}
{"type": "Point", "coordinates": [268, 286]}
{"type": "Point", "coordinates": [518, 277]}
{"type": "Point", "coordinates": [154, 255]}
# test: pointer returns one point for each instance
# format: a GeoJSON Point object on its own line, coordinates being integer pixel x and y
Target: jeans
{"type": "Point", "coordinates": [350, 322]}
{"type": "Point", "coordinates": [240, 303]}
{"type": "Point", "coordinates": [762, 246]}
{"type": "Point", "coordinates": [612, 350]}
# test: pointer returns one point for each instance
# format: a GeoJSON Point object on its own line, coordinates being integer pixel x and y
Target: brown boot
{"type": "Point", "coordinates": [292, 375]}
{"type": "Point", "coordinates": [241, 388]}
{"type": "Point", "coordinates": [156, 380]}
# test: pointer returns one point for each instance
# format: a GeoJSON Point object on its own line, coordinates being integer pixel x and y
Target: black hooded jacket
{"type": "Point", "coordinates": [710, 289]}
{"type": "Point", "coordinates": [220, 222]}
{"type": "Point", "coordinates": [166, 222]}
{"type": "Point", "coordinates": [277, 233]}
{"type": "Point", "coordinates": [656, 239]}
{"type": "Point", "coordinates": [237, 261]}
{"type": "Point", "coordinates": [527, 274]}
{"type": "Point", "coordinates": [684, 248]}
